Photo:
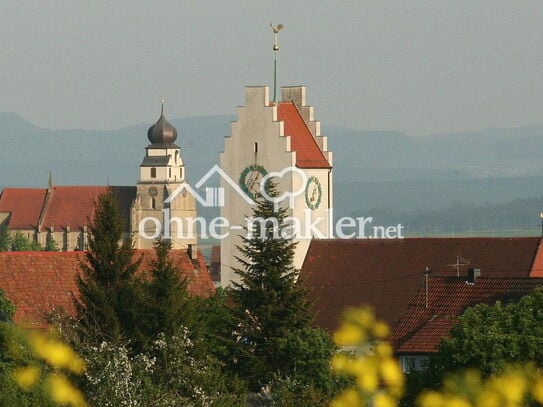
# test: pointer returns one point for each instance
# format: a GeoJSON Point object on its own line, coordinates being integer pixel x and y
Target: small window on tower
{"type": "Point", "coordinates": [256, 147]}
{"type": "Point", "coordinates": [170, 172]}
{"type": "Point", "coordinates": [153, 172]}
{"type": "Point", "coordinates": [153, 203]}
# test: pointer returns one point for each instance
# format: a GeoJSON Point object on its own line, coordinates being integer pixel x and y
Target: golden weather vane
{"type": "Point", "coordinates": [276, 30]}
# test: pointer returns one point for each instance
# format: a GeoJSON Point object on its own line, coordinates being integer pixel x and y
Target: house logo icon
{"type": "Point", "coordinates": [214, 197]}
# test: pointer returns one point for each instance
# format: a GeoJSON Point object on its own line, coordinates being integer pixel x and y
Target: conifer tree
{"type": "Point", "coordinates": [108, 300]}
{"type": "Point", "coordinates": [5, 239]}
{"type": "Point", "coordinates": [270, 306]}
{"type": "Point", "coordinates": [50, 244]}
{"type": "Point", "coordinates": [168, 306]}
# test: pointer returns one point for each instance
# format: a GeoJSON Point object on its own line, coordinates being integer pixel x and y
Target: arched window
{"type": "Point", "coordinates": [153, 172]}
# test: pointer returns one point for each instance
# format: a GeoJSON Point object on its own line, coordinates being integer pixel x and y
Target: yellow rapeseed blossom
{"type": "Point", "coordinates": [383, 349]}
{"type": "Point", "coordinates": [349, 335]}
{"type": "Point", "coordinates": [56, 353]}
{"type": "Point", "coordinates": [384, 400]}
{"type": "Point", "coordinates": [377, 375]}
{"type": "Point", "coordinates": [537, 390]}
{"type": "Point", "coordinates": [27, 376]}
{"type": "Point", "coordinates": [391, 372]}
{"type": "Point", "coordinates": [431, 399]}
{"type": "Point", "coordinates": [63, 392]}
{"type": "Point", "coordinates": [348, 398]}
{"type": "Point", "coordinates": [381, 330]}
{"type": "Point", "coordinates": [456, 401]}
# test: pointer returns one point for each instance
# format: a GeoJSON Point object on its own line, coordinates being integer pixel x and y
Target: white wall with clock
{"type": "Point", "coordinates": [257, 146]}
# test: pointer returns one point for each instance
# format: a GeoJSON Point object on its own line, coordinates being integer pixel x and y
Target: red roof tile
{"type": "Point", "coordinates": [422, 327]}
{"type": "Point", "coordinates": [537, 266]}
{"type": "Point", "coordinates": [308, 152]}
{"type": "Point", "coordinates": [387, 273]}
{"type": "Point", "coordinates": [38, 282]}
{"type": "Point", "coordinates": [25, 206]}
{"type": "Point", "coordinates": [60, 207]}
{"type": "Point", "coordinates": [74, 205]}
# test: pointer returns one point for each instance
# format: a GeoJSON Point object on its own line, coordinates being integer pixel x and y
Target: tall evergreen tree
{"type": "Point", "coordinates": [271, 308]}
{"type": "Point", "coordinates": [5, 239]}
{"type": "Point", "coordinates": [108, 300]}
{"type": "Point", "coordinates": [168, 306]}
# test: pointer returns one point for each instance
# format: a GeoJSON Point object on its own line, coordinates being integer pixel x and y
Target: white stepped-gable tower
{"type": "Point", "coordinates": [161, 173]}
{"type": "Point", "coordinates": [270, 137]}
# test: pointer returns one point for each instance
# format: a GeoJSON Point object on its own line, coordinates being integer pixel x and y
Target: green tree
{"type": "Point", "coordinates": [14, 352]}
{"type": "Point", "coordinates": [107, 307]}
{"type": "Point", "coordinates": [489, 338]}
{"type": "Point", "coordinates": [20, 243]}
{"type": "Point", "coordinates": [272, 311]}
{"type": "Point", "coordinates": [167, 306]}
{"type": "Point", "coordinates": [50, 244]}
{"type": "Point", "coordinates": [5, 239]}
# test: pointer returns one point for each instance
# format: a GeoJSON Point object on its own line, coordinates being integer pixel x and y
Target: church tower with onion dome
{"type": "Point", "coordinates": [162, 173]}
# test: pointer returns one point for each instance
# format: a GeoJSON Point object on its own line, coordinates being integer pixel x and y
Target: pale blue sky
{"type": "Point", "coordinates": [415, 66]}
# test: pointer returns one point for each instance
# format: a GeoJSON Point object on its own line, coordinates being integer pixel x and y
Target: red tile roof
{"type": "Point", "coordinates": [421, 328]}
{"type": "Point", "coordinates": [387, 273]}
{"type": "Point", "coordinates": [537, 266]}
{"type": "Point", "coordinates": [25, 206]}
{"type": "Point", "coordinates": [308, 152]}
{"type": "Point", "coordinates": [59, 206]}
{"type": "Point", "coordinates": [38, 282]}
{"type": "Point", "coordinates": [71, 206]}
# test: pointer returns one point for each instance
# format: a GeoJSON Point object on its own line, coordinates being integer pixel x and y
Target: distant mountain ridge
{"type": "Point", "coordinates": [372, 169]}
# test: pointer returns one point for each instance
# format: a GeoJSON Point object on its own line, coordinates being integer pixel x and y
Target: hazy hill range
{"type": "Point", "coordinates": [389, 174]}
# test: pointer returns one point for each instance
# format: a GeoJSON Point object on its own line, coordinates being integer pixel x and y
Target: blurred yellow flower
{"type": "Point", "coordinates": [349, 335]}
{"type": "Point", "coordinates": [383, 400]}
{"type": "Point", "coordinates": [56, 353]}
{"type": "Point", "coordinates": [537, 390]}
{"type": "Point", "coordinates": [391, 372]}
{"type": "Point", "coordinates": [63, 392]}
{"type": "Point", "coordinates": [27, 376]}
{"type": "Point", "coordinates": [381, 330]}
{"type": "Point", "coordinates": [348, 398]}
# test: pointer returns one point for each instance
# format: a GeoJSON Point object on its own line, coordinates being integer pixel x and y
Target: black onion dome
{"type": "Point", "coordinates": [162, 132]}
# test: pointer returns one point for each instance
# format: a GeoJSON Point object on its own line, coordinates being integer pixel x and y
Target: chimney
{"type": "Point", "coordinates": [193, 251]}
{"type": "Point", "coordinates": [473, 275]}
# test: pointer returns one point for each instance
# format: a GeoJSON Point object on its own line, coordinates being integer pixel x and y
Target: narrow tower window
{"type": "Point", "coordinates": [169, 172]}
{"type": "Point", "coordinates": [256, 147]}
{"type": "Point", "coordinates": [153, 203]}
{"type": "Point", "coordinates": [153, 172]}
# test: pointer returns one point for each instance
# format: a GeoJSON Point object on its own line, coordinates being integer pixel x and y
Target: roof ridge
{"type": "Point", "coordinates": [44, 207]}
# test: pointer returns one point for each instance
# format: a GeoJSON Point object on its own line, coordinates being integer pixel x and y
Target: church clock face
{"type": "Point", "coordinates": [313, 193]}
{"type": "Point", "coordinates": [250, 179]}
{"type": "Point", "coordinates": [153, 191]}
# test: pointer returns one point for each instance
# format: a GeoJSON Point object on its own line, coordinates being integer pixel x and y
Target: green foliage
{"type": "Point", "coordinates": [215, 324]}
{"type": "Point", "coordinates": [272, 311]}
{"type": "Point", "coordinates": [7, 309]}
{"type": "Point", "coordinates": [107, 308]}
{"type": "Point", "coordinates": [168, 373]}
{"type": "Point", "coordinates": [488, 338]}
{"type": "Point", "coordinates": [5, 239]}
{"type": "Point", "coordinates": [14, 351]}
{"type": "Point", "coordinates": [171, 306]}
{"type": "Point", "coordinates": [20, 243]}
{"type": "Point", "coordinates": [50, 244]}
